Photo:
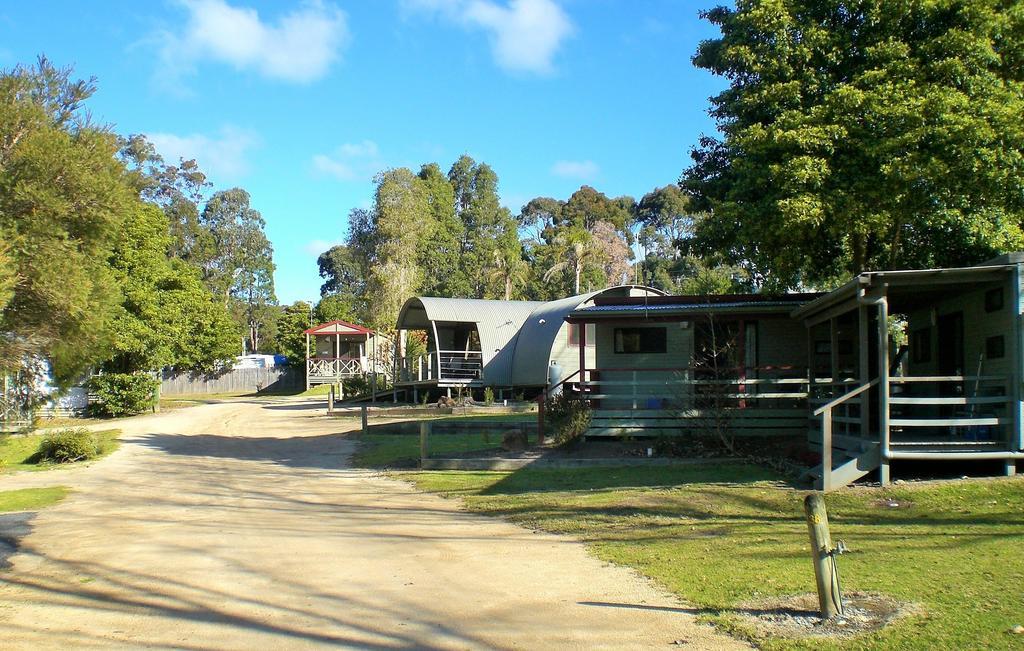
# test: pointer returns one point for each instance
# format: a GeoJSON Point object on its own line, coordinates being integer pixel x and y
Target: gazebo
{"type": "Point", "coordinates": [337, 350]}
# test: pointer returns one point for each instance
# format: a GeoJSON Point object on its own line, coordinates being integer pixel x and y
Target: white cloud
{"type": "Point", "coordinates": [316, 247]}
{"type": "Point", "coordinates": [524, 34]}
{"type": "Point", "coordinates": [300, 47]}
{"type": "Point", "coordinates": [583, 170]}
{"type": "Point", "coordinates": [222, 157]}
{"type": "Point", "coordinates": [350, 162]}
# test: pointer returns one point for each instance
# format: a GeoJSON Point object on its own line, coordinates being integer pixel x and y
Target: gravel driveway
{"type": "Point", "coordinates": [239, 526]}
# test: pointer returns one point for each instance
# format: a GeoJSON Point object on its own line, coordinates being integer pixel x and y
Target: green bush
{"type": "Point", "coordinates": [123, 394]}
{"type": "Point", "coordinates": [67, 445]}
{"type": "Point", "coordinates": [488, 396]}
{"type": "Point", "coordinates": [569, 418]}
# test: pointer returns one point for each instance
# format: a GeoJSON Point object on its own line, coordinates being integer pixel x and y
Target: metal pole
{"type": "Point", "coordinates": [883, 387]}
{"type": "Point", "coordinates": [827, 579]}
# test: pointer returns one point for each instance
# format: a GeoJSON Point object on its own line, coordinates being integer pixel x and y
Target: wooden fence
{"type": "Point", "coordinates": [275, 378]}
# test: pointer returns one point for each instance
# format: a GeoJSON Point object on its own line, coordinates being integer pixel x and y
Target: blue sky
{"type": "Point", "coordinates": [301, 103]}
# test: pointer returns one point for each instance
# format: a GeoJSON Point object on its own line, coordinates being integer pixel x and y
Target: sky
{"type": "Point", "coordinates": [302, 103]}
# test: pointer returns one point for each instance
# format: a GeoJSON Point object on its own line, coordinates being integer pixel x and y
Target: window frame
{"type": "Point", "coordinates": [660, 340]}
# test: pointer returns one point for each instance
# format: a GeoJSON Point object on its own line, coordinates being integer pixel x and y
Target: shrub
{"type": "Point", "coordinates": [569, 418]}
{"type": "Point", "coordinates": [67, 445]}
{"type": "Point", "coordinates": [488, 396]}
{"type": "Point", "coordinates": [123, 394]}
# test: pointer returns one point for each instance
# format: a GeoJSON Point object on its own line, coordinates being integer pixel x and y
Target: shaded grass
{"type": "Point", "coordinates": [403, 450]}
{"type": "Point", "coordinates": [30, 499]}
{"type": "Point", "coordinates": [381, 449]}
{"type": "Point", "coordinates": [19, 452]}
{"type": "Point", "coordinates": [720, 536]}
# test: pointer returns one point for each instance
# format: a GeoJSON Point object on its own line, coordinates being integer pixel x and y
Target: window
{"type": "Point", "coordinates": [921, 345]}
{"type": "Point", "coordinates": [641, 340]}
{"type": "Point", "coordinates": [995, 347]}
{"type": "Point", "coordinates": [994, 299]}
{"type": "Point", "coordinates": [574, 335]}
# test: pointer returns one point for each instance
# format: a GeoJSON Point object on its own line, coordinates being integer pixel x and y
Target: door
{"type": "Point", "coordinates": [950, 351]}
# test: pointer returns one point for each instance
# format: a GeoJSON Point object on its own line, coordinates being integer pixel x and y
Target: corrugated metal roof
{"type": "Point", "coordinates": [498, 323]}
{"type": "Point", "coordinates": [683, 307]}
{"type": "Point", "coordinates": [537, 336]}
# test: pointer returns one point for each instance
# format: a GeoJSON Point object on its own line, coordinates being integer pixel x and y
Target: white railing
{"type": "Point", "coordinates": [334, 367]}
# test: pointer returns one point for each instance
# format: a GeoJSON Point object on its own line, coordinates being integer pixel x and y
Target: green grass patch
{"type": "Point", "coordinates": [719, 536]}
{"type": "Point", "coordinates": [30, 499]}
{"type": "Point", "coordinates": [403, 450]}
{"type": "Point", "coordinates": [19, 452]}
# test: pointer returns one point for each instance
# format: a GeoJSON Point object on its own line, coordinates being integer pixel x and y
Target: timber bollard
{"type": "Point", "coordinates": [330, 400]}
{"type": "Point", "coordinates": [363, 417]}
{"type": "Point", "coordinates": [826, 575]}
{"type": "Point", "coordinates": [540, 420]}
{"type": "Point", "coordinates": [424, 435]}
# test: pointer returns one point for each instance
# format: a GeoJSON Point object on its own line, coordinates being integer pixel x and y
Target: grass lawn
{"type": "Point", "coordinates": [30, 499]}
{"type": "Point", "coordinates": [402, 450]}
{"type": "Point", "coordinates": [723, 535]}
{"type": "Point", "coordinates": [18, 452]}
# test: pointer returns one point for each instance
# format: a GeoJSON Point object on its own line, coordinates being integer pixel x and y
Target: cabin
{"type": "Point", "coordinates": [676, 365]}
{"type": "Point", "coordinates": [894, 366]}
{"type": "Point", "coordinates": [951, 392]}
{"type": "Point", "coordinates": [338, 350]}
{"type": "Point", "coordinates": [509, 346]}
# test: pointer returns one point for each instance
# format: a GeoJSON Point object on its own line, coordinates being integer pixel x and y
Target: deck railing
{"type": "Point", "coordinates": [443, 365]}
{"type": "Point", "coordinates": [334, 367]}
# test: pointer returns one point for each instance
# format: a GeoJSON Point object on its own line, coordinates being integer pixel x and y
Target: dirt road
{"type": "Point", "coordinates": [240, 526]}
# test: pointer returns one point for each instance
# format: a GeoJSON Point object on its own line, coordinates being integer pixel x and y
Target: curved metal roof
{"type": "Point", "coordinates": [515, 336]}
{"type": "Point", "coordinates": [498, 323]}
{"type": "Point", "coordinates": [533, 347]}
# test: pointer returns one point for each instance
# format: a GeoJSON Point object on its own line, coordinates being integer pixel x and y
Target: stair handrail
{"type": "Point", "coordinates": [825, 411]}
{"type": "Point", "coordinates": [549, 390]}
{"type": "Point", "coordinates": [852, 393]}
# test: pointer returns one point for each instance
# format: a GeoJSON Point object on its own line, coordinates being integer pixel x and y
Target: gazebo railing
{"type": "Point", "coordinates": [334, 366]}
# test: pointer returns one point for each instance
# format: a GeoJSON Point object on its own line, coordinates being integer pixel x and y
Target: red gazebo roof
{"type": "Point", "coordinates": [334, 327]}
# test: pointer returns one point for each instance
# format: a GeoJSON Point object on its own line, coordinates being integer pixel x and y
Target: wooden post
{"type": "Point", "coordinates": [424, 435]}
{"type": "Point", "coordinates": [330, 400]}
{"type": "Point", "coordinates": [341, 389]}
{"type": "Point", "coordinates": [307, 361]}
{"type": "Point", "coordinates": [363, 417]}
{"type": "Point", "coordinates": [825, 575]}
{"type": "Point", "coordinates": [540, 419]}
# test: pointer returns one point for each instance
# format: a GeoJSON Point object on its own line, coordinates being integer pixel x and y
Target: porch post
{"type": "Point", "coordinates": [833, 348]}
{"type": "Point", "coordinates": [583, 355]}
{"type": "Point", "coordinates": [864, 369]}
{"type": "Point", "coordinates": [1016, 437]}
{"type": "Point", "coordinates": [307, 361]}
{"type": "Point", "coordinates": [883, 386]}
{"type": "Point", "coordinates": [742, 358]}
{"type": "Point", "coordinates": [373, 374]}
{"type": "Point", "coordinates": [336, 366]}
{"type": "Point", "coordinates": [366, 354]}
{"type": "Point", "coordinates": [437, 350]}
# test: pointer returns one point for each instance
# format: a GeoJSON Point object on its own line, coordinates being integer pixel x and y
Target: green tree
{"type": "Point", "coordinates": [490, 231]}
{"type": "Point", "coordinates": [176, 189]}
{"type": "Point", "coordinates": [291, 338]}
{"type": "Point", "coordinates": [861, 135]}
{"type": "Point", "coordinates": [167, 317]}
{"type": "Point", "coordinates": [397, 223]}
{"type": "Point", "coordinates": [441, 249]}
{"type": "Point", "coordinates": [238, 262]}
{"type": "Point", "coordinates": [62, 204]}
